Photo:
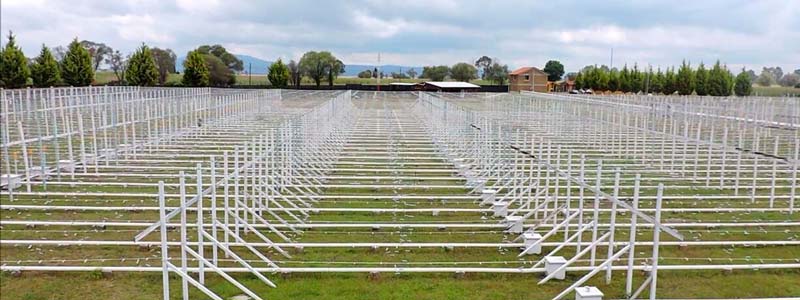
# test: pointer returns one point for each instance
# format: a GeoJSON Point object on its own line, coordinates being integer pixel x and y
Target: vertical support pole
{"type": "Point", "coordinates": [596, 216]}
{"type": "Point", "coordinates": [656, 237]}
{"type": "Point", "coordinates": [182, 189]}
{"type": "Point", "coordinates": [793, 189]}
{"type": "Point", "coordinates": [568, 193]}
{"type": "Point", "coordinates": [214, 252]}
{"type": "Point", "coordinates": [632, 237]}
{"type": "Point", "coordinates": [613, 226]}
{"type": "Point", "coordinates": [200, 230]}
{"type": "Point", "coordinates": [226, 197]}
{"type": "Point", "coordinates": [774, 173]}
{"type": "Point", "coordinates": [580, 200]}
{"type": "Point", "coordinates": [236, 193]}
{"type": "Point", "coordinates": [724, 157]}
{"type": "Point", "coordinates": [164, 251]}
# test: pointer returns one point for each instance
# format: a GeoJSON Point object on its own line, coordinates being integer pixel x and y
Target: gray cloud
{"type": "Point", "coordinates": [419, 32]}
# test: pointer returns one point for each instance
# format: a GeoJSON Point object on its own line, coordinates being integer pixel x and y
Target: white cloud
{"type": "Point", "coordinates": [424, 32]}
{"type": "Point", "coordinates": [139, 28]}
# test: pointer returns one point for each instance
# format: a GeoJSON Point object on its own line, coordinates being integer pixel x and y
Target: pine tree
{"type": "Point", "coordinates": [602, 80]}
{"type": "Point", "coordinates": [613, 81]}
{"type": "Point", "coordinates": [195, 71]}
{"type": "Point", "coordinates": [730, 80]}
{"type": "Point", "coordinates": [701, 80]}
{"type": "Point", "coordinates": [44, 70]}
{"type": "Point", "coordinates": [669, 82]}
{"type": "Point", "coordinates": [743, 86]}
{"type": "Point", "coordinates": [142, 68]}
{"type": "Point", "coordinates": [13, 65]}
{"type": "Point", "coordinates": [657, 82]}
{"type": "Point", "coordinates": [636, 80]}
{"type": "Point", "coordinates": [625, 80]}
{"type": "Point", "coordinates": [76, 67]}
{"type": "Point", "coordinates": [720, 81]}
{"type": "Point", "coordinates": [684, 81]}
{"type": "Point", "coordinates": [278, 74]}
{"type": "Point", "coordinates": [592, 78]}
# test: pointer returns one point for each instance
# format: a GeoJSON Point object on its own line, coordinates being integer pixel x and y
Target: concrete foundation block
{"type": "Point", "coordinates": [38, 173]}
{"type": "Point", "coordinates": [488, 196]}
{"type": "Point", "coordinates": [10, 181]}
{"type": "Point", "coordinates": [66, 165]}
{"type": "Point", "coordinates": [514, 224]}
{"type": "Point", "coordinates": [552, 263]}
{"type": "Point", "coordinates": [588, 293]}
{"type": "Point", "coordinates": [108, 153]}
{"type": "Point", "coordinates": [500, 209]}
{"type": "Point", "coordinates": [530, 239]}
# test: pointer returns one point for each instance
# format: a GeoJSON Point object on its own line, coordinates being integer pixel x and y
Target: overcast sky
{"type": "Point", "coordinates": [752, 33]}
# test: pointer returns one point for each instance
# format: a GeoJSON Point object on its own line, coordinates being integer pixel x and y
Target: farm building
{"type": "Point", "coordinates": [527, 79]}
{"type": "Point", "coordinates": [561, 86]}
{"type": "Point", "coordinates": [450, 86]}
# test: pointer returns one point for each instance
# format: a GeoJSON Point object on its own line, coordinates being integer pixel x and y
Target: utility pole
{"type": "Point", "coordinates": [612, 60]}
{"type": "Point", "coordinates": [379, 72]}
{"type": "Point", "coordinates": [250, 73]}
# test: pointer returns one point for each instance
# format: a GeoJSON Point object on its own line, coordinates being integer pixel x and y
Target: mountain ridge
{"type": "Point", "coordinates": [260, 66]}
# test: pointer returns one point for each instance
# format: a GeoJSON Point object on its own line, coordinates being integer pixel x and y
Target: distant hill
{"type": "Point", "coordinates": [260, 66]}
{"type": "Point", "coordinates": [353, 70]}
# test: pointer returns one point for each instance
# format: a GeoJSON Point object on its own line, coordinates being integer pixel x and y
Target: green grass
{"type": "Point", "coordinates": [775, 91]}
{"type": "Point", "coordinates": [356, 286]}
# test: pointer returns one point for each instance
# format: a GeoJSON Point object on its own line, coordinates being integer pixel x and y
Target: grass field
{"type": "Point", "coordinates": [103, 77]}
{"type": "Point", "coordinates": [775, 91]}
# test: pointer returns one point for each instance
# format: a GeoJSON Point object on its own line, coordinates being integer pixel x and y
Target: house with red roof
{"type": "Point", "coordinates": [527, 79]}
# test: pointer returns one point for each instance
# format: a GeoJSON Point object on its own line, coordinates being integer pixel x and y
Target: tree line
{"type": "Point", "coordinates": [207, 65]}
{"type": "Point", "coordinates": [213, 65]}
{"type": "Point", "coordinates": [702, 81]}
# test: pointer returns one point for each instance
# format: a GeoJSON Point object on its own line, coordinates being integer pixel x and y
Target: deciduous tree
{"type": "Point", "coordinates": [218, 73]}
{"type": "Point", "coordinates": [229, 60]}
{"type": "Point", "coordinates": [483, 63]}
{"type": "Point", "coordinates": [294, 73]}
{"type": "Point", "coordinates": [365, 74]}
{"type": "Point", "coordinates": [463, 72]}
{"type": "Point", "coordinates": [317, 65]}
{"type": "Point", "coordinates": [497, 73]}
{"type": "Point", "coordinates": [435, 73]}
{"type": "Point", "coordinates": [765, 79]}
{"type": "Point", "coordinates": [118, 64]}
{"type": "Point", "coordinates": [165, 61]}
{"type": "Point", "coordinates": [790, 80]}
{"type": "Point", "coordinates": [412, 73]}
{"type": "Point", "coordinates": [335, 67]}
{"type": "Point", "coordinates": [99, 52]}
{"type": "Point", "coordinates": [554, 70]}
